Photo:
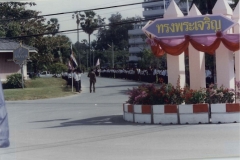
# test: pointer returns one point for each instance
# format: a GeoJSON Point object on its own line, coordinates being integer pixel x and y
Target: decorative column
{"type": "Point", "coordinates": [224, 57]}
{"type": "Point", "coordinates": [196, 61]}
{"type": "Point", "coordinates": [236, 18]}
{"type": "Point", "coordinates": [175, 64]}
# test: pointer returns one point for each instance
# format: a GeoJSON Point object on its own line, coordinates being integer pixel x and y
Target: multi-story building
{"type": "Point", "coordinates": [151, 11]}
{"type": "Point", "coordinates": [136, 36]}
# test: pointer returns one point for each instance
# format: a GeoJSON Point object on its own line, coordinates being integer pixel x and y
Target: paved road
{"type": "Point", "coordinates": [89, 126]}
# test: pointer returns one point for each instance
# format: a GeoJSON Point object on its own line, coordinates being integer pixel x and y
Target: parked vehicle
{"type": "Point", "coordinates": [45, 74]}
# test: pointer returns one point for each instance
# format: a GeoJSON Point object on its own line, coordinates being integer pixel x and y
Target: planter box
{"type": "Point", "coordinates": [194, 113]}
{"type": "Point", "coordinates": [225, 113]}
{"type": "Point", "coordinates": [142, 113]}
{"type": "Point", "coordinates": [165, 114]}
{"type": "Point", "coordinates": [128, 112]}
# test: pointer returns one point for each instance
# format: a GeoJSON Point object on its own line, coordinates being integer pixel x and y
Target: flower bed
{"type": "Point", "coordinates": [193, 106]}
{"type": "Point", "coordinates": [151, 94]}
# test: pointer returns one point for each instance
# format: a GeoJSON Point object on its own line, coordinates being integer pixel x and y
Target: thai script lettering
{"type": "Point", "coordinates": [175, 27]}
{"type": "Point", "coordinates": [20, 56]}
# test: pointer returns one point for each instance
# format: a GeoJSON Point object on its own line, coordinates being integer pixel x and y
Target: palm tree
{"type": "Point", "coordinates": [53, 25]}
{"type": "Point", "coordinates": [90, 23]}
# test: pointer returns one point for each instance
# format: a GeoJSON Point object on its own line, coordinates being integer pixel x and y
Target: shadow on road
{"type": "Point", "coordinates": [104, 120]}
{"type": "Point", "coordinates": [112, 86]}
{"type": "Point", "coordinates": [52, 120]}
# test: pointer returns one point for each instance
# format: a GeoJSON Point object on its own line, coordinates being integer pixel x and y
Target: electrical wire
{"type": "Point", "coordinates": [120, 11]}
{"type": "Point", "coordinates": [110, 24]}
{"type": "Point", "coordinates": [94, 9]}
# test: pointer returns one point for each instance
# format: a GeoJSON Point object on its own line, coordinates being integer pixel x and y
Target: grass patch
{"type": "Point", "coordinates": [39, 88]}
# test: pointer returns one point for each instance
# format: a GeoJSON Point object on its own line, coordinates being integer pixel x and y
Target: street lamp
{"type": "Point", "coordinates": [112, 54]}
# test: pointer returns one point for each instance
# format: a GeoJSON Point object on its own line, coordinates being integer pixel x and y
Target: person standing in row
{"type": "Point", "coordinates": [77, 80]}
{"type": "Point", "coordinates": [92, 79]}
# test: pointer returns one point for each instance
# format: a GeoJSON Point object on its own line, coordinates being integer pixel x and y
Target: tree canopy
{"type": "Point", "coordinates": [17, 21]}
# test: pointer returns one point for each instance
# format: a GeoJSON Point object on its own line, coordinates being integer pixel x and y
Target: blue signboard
{"type": "Point", "coordinates": [193, 26]}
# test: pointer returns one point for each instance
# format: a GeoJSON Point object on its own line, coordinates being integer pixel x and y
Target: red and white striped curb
{"type": "Point", "coordinates": [165, 114]}
{"type": "Point", "coordinates": [183, 114]}
{"type": "Point", "coordinates": [137, 113]}
{"type": "Point", "coordinates": [128, 112]}
{"type": "Point", "coordinates": [194, 113]}
{"type": "Point", "coordinates": [225, 113]}
{"type": "Point", "coordinates": [143, 113]}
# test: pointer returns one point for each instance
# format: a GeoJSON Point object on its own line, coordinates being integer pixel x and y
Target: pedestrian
{"type": "Point", "coordinates": [92, 79]}
{"type": "Point", "coordinates": [4, 128]}
{"type": "Point", "coordinates": [77, 80]}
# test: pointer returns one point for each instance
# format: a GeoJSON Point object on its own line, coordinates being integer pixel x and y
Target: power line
{"type": "Point", "coordinates": [101, 8]}
{"type": "Point", "coordinates": [120, 11]}
{"type": "Point", "coordinates": [64, 31]}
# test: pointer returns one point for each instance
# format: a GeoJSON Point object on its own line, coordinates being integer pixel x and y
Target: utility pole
{"type": "Point", "coordinates": [93, 57]}
{"type": "Point", "coordinates": [112, 54]}
{"type": "Point", "coordinates": [78, 23]}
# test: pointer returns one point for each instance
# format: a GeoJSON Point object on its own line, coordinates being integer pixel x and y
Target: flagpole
{"type": "Point", "coordinates": [72, 70]}
{"type": "Point", "coordinates": [187, 7]}
{"type": "Point", "coordinates": [72, 80]}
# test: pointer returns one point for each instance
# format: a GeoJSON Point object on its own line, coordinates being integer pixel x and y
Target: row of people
{"type": "Point", "coordinates": [150, 75]}
{"type": "Point", "coordinates": [146, 75]}
{"type": "Point", "coordinates": [76, 74]}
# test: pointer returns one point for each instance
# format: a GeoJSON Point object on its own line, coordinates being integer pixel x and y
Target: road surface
{"type": "Point", "coordinates": [89, 126]}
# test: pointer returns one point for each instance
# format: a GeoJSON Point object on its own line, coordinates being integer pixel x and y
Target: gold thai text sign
{"type": "Point", "coordinates": [193, 26]}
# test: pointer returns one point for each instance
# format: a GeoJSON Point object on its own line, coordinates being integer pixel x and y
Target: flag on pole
{"type": "Point", "coordinates": [73, 59]}
{"type": "Point", "coordinates": [70, 65]}
{"type": "Point", "coordinates": [74, 64]}
{"type": "Point", "coordinates": [98, 62]}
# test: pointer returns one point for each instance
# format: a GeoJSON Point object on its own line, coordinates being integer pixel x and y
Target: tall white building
{"type": "Point", "coordinates": [137, 38]}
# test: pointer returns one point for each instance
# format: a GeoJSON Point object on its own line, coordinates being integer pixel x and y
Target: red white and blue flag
{"type": "Point", "coordinates": [74, 63]}
{"type": "Point", "coordinates": [98, 62]}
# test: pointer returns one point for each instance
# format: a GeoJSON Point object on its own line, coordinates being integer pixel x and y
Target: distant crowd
{"type": "Point", "coordinates": [148, 75]}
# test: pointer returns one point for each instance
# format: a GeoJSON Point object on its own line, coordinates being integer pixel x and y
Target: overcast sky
{"type": "Point", "coordinates": [67, 23]}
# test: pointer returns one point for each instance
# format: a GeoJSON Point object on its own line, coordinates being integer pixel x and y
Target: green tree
{"type": "Point", "coordinates": [54, 26]}
{"type": "Point", "coordinates": [57, 68]}
{"type": "Point", "coordinates": [89, 23]}
{"type": "Point", "coordinates": [116, 34]}
{"type": "Point", "coordinates": [50, 50]}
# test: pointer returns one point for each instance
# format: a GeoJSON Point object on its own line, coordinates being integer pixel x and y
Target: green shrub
{"type": "Point", "coordinates": [14, 81]}
{"type": "Point", "coordinates": [58, 68]}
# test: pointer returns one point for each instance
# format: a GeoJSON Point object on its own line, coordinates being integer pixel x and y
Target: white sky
{"type": "Point", "coordinates": [67, 23]}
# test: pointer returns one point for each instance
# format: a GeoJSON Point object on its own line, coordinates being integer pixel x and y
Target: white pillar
{"type": "Point", "coordinates": [236, 18]}
{"type": "Point", "coordinates": [196, 61]}
{"type": "Point", "coordinates": [176, 68]}
{"type": "Point", "coordinates": [175, 64]}
{"type": "Point", "coordinates": [224, 57]}
{"type": "Point", "coordinates": [196, 68]}
{"type": "Point", "coordinates": [25, 71]}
